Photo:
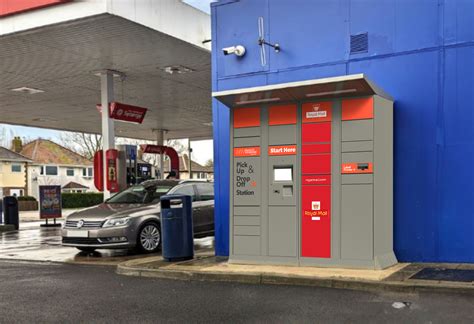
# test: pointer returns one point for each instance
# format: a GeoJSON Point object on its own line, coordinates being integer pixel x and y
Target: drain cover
{"type": "Point", "coordinates": [445, 274]}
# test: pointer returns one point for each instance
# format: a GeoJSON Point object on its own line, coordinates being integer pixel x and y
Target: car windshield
{"type": "Point", "coordinates": [140, 195]}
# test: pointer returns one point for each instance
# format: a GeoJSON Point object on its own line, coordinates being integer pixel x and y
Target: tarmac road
{"type": "Point", "coordinates": [65, 293]}
{"type": "Point", "coordinates": [35, 243]}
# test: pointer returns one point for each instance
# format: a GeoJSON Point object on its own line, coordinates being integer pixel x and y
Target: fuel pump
{"type": "Point", "coordinates": [111, 171]}
{"type": "Point", "coordinates": [127, 165]}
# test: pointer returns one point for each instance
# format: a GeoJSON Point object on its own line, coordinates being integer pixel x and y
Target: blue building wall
{"type": "Point", "coordinates": [420, 51]}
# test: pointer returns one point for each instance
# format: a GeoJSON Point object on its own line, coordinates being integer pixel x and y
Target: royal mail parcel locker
{"type": "Point", "coordinates": [312, 175]}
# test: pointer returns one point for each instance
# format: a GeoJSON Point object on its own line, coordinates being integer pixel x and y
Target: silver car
{"type": "Point", "coordinates": [131, 218]}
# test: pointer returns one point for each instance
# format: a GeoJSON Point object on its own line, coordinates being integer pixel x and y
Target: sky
{"type": "Point", "coordinates": [200, 4]}
{"type": "Point", "coordinates": [202, 150]}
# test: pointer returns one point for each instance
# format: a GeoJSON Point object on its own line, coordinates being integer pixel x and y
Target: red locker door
{"type": "Point", "coordinates": [316, 222]}
{"type": "Point", "coordinates": [316, 164]}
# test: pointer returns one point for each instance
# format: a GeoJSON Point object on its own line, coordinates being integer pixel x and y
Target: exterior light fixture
{"type": "Point", "coordinates": [177, 69]}
{"type": "Point", "coordinates": [319, 94]}
{"type": "Point", "coordinates": [246, 102]}
{"type": "Point", "coordinates": [28, 90]}
{"type": "Point", "coordinates": [45, 120]}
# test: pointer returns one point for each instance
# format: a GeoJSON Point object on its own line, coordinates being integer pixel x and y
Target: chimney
{"type": "Point", "coordinates": [17, 144]}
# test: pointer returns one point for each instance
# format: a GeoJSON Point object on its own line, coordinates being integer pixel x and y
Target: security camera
{"type": "Point", "coordinates": [238, 50]}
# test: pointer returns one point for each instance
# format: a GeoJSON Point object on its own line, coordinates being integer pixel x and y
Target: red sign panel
{"type": "Point", "coordinates": [357, 168]}
{"type": "Point", "coordinates": [127, 113]}
{"type": "Point", "coordinates": [316, 164]}
{"type": "Point", "coordinates": [282, 150]}
{"type": "Point", "coordinates": [246, 117]}
{"type": "Point", "coordinates": [247, 151]}
{"type": "Point", "coordinates": [360, 108]}
{"type": "Point", "coordinates": [282, 115]}
{"type": "Point", "coordinates": [314, 133]}
{"type": "Point", "coordinates": [315, 148]}
{"type": "Point", "coordinates": [11, 7]}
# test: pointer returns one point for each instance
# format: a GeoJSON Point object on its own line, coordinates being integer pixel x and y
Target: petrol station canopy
{"type": "Point", "coordinates": [50, 59]}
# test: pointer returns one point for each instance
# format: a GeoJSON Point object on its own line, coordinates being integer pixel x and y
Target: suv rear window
{"type": "Point", "coordinates": [206, 191]}
{"type": "Point", "coordinates": [184, 190]}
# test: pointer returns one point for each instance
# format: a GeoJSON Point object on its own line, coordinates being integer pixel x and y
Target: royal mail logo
{"type": "Point", "coordinates": [316, 213]}
{"type": "Point", "coordinates": [316, 205]}
{"type": "Point", "coordinates": [282, 150]}
{"type": "Point", "coordinates": [317, 113]}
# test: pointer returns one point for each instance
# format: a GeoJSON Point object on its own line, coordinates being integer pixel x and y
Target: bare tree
{"type": "Point", "coordinates": [6, 136]}
{"type": "Point", "coordinates": [178, 145]}
{"type": "Point", "coordinates": [209, 163]}
{"type": "Point", "coordinates": [87, 144]}
{"type": "Point", "coordinates": [82, 143]}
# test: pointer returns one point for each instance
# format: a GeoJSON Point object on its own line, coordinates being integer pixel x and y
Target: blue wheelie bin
{"type": "Point", "coordinates": [177, 227]}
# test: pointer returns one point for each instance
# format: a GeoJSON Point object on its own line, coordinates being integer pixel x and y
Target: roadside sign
{"type": "Point", "coordinates": [50, 202]}
{"type": "Point", "coordinates": [125, 113]}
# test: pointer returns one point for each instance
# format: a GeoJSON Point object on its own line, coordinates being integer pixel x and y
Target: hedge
{"type": "Point", "coordinates": [80, 200]}
{"type": "Point", "coordinates": [27, 205]}
{"type": "Point", "coordinates": [26, 198]}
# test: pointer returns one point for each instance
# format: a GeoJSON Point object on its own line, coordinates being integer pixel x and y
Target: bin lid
{"type": "Point", "coordinates": [175, 196]}
{"type": "Point", "coordinates": [333, 87]}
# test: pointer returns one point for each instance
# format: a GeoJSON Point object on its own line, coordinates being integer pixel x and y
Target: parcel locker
{"type": "Point", "coordinates": [312, 174]}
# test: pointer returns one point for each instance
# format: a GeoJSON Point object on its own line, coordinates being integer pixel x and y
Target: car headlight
{"type": "Point", "coordinates": [116, 222]}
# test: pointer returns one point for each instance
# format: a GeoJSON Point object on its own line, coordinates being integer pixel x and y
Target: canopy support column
{"type": "Point", "coordinates": [161, 141]}
{"type": "Point", "coordinates": [108, 130]}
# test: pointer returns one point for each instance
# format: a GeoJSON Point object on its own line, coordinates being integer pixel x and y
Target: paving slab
{"type": "Point", "coordinates": [6, 228]}
{"type": "Point", "coordinates": [395, 278]}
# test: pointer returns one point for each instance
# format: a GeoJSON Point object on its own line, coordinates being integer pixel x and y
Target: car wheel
{"type": "Point", "coordinates": [149, 238]}
{"type": "Point", "coordinates": [85, 249]}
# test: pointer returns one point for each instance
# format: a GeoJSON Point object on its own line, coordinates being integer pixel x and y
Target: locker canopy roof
{"type": "Point", "coordinates": [334, 87]}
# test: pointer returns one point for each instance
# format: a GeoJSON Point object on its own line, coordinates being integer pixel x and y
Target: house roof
{"type": "Point", "coordinates": [74, 185]}
{"type": "Point", "coordinates": [8, 155]}
{"type": "Point", "coordinates": [43, 151]}
{"type": "Point", "coordinates": [184, 166]}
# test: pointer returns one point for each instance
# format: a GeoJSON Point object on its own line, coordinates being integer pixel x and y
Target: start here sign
{"type": "Point", "coordinates": [282, 150]}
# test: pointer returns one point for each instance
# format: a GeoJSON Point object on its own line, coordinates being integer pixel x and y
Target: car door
{"type": "Point", "coordinates": [205, 212]}
{"type": "Point", "coordinates": [188, 189]}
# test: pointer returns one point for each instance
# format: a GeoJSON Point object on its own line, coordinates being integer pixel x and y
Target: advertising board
{"type": "Point", "coordinates": [50, 202]}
